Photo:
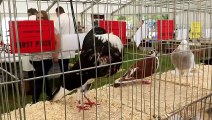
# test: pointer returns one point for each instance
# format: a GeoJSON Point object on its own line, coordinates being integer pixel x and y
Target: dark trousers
{"type": "Point", "coordinates": [29, 84]}
{"type": "Point", "coordinates": [64, 64]}
{"type": "Point", "coordinates": [38, 83]}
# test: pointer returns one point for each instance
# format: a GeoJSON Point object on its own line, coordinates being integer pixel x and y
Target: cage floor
{"type": "Point", "coordinates": [201, 77]}
{"type": "Point", "coordinates": [131, 101]}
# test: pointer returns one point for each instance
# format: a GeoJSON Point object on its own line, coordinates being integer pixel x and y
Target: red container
{"type": "Point", "coordinates": [165, 29]}
{"type": "Point", "coordinates": [116, 27]}
{"type": "Point", "coordinates": [29, 34]}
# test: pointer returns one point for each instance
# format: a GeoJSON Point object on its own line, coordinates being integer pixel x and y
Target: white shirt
{"type": "Point", "coordinates": [64, 25]}
{"type": "Point", "coordinates": [140, 34]}
{"type": "Point", "coordinates": [26, 65]}
{"type": "Point", "coordinates": [32, 17]}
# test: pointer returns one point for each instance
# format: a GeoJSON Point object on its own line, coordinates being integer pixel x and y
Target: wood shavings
{"type": "Point", "coordinates": [200, 77]}
{"type": "Point", "coordinates": [56, 110]}
{"type": "Point", "coordinates": [132, 101]}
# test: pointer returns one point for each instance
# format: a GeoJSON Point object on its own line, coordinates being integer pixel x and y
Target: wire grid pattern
{"type": "Point", "coordinates": [167, 97]}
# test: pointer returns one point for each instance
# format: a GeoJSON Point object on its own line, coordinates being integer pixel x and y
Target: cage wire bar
{"type": "Point", "coordinates": [166, 97]}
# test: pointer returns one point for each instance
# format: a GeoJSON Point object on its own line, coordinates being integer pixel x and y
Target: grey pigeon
{"type": "Point", "coordinates": [183, 59]}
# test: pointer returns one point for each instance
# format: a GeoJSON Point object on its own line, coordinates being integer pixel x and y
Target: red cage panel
{"type": "Point", "coordinates": [165, 29]}
{"type": "Point", "coordinates": [31, 35]}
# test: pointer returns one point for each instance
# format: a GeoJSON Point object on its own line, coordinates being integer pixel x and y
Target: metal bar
{"type": "Point", "coordinates": [187, 105]}
{"type": "Point", "coordinates": [122, 7]}
{"type": "Point", "coordinates": [92, 4]}
{"type": "Point", "coordinates": [49, 7]}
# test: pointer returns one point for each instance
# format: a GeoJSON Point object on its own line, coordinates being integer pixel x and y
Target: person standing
{"type": "Point", "coordinates": [42, 62]}
{"type": "Point", "coordinates": [32, 12]}
{"type": "Point", "coordinates": [26, 65]}
{"type": "Point", "coordinates": [64, 25]}
{"type": "Point", "coordinates": [79, 27]}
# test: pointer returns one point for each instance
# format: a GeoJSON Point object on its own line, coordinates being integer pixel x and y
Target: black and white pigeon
{"type": "Point", "coordinates": [183, 59]}
{"type": "Point", "coordinates": [101, 55]}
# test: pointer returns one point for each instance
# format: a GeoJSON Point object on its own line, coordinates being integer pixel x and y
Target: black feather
{"type": "Point", "coordinates": [103, 53]}
{"type": "Point", "coordinates": [206, 61]}
{"type": "Point", "coordinates": [89, 38]}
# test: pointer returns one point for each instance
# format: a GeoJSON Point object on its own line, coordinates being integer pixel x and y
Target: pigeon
{"type": "Point", "coordinates": [183, 59]}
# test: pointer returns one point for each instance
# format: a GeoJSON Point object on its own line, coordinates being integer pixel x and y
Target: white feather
{"type": "Point", "coordinates": [183, 52]}
{"type": "Point", "coordinates": [157, 60]}
{"type": "Point", "coordinates": [113, 39]}
{"type": "Point", "coordinates": [184, 45]}
{"type": "Point", "coordinates": [89, 81]}
{"type": "Point", "coordinates": [132, 71]}
{"type": "Point", "coordinates": [60, 94]}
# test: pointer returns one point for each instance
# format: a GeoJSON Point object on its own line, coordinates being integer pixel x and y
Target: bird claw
{"type": "Point", "coordinates": [82, 107]}
{"type": "Point", "coordinates": [87, 105]}
{"type": "Point", "coordinates": [91, 104]}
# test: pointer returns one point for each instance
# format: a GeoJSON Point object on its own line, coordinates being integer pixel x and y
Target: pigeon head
{"type": "Point", "coordinates": [153, 53]}
{"type": "Point", "coordinates": [184, 45]}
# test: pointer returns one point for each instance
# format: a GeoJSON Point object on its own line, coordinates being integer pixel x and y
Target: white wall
{"type": "Point", "coordinates": [184, 18]}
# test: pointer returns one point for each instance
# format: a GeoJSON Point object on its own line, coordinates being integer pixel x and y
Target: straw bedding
{"type": "Point", "coordinates": [132, 101]}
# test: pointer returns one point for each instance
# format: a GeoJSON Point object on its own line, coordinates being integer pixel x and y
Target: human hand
{"type": "Point", "coordinates": [55, 57]}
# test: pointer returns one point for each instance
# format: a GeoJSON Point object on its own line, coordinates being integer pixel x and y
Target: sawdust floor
{"type": "Point", "coordinates": [201, 77]}
{"type": "Point", "coordinates": [132, 101]}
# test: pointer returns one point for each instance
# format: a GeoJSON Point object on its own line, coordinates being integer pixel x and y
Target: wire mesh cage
{"type": "Point", "coordinates": [105, 59]}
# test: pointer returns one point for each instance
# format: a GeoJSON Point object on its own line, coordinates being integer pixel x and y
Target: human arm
{"type": "Point", "coordinates": [57, 47]}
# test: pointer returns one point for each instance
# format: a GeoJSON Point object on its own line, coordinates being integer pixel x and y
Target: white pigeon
{"type": "Point", "coordinates": [183, 59]}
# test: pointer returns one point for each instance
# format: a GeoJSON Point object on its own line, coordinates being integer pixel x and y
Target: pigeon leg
{"type": "Point", "coordinates": [175, 72]}
{"type": "Point", "coordinates": [89, 102]}
{"type": "Point", "coordinates": [83, 90]}
{"type": "Point", "coordinates": [188, 72]}
{"type": "Point", "coordinates": [80, 105]}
